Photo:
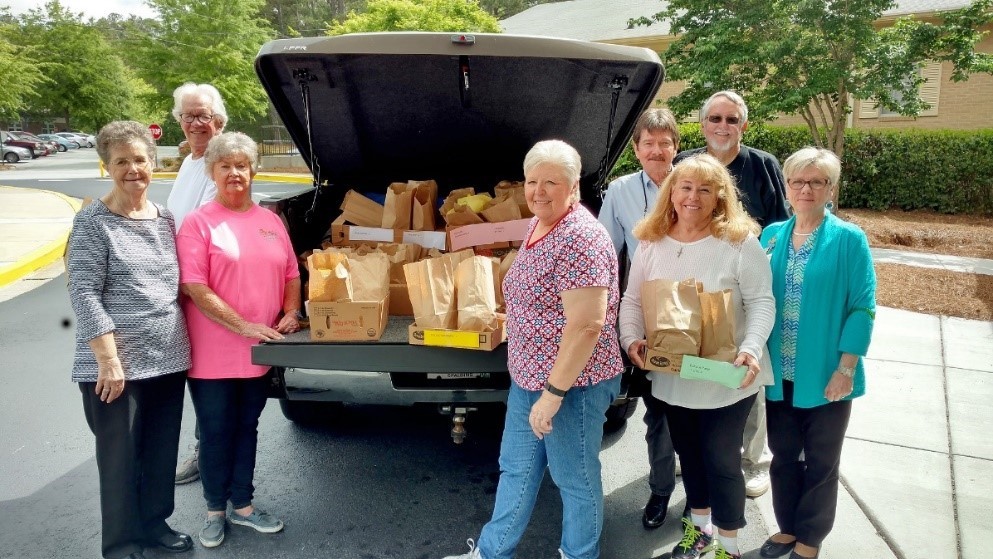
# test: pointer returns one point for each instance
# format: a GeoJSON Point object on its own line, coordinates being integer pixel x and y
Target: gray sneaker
{"type": "Point", "coordinates": [260, 520]}
{"type": "Point", "coordinates": [212, 533]}
{"type": "Point", "coordinates": [188, 470]}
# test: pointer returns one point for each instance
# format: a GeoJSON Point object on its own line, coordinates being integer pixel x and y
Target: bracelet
{"type": "Point", "coordinates": [555, 391]}
{"type": "Point", "coordinates": [844, 371]}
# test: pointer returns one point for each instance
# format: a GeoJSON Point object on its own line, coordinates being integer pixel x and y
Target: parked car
{"type": "Point", "coordinates": [51, 147]}
{"type": "Point", "coordinates": [71, 138]}
{"type": "Point", "coordinates": [9, 139]}
{"type": "Point", "coordinates": [386, 107]}
{"type": "Point", "coordinates": [64, 144]}
{"type": "Point", "coordinates": [83, 141]}
{"type": "Point", "coordinates": [90, 139]}
{"type": "Point", "coordinates": [13, 154]}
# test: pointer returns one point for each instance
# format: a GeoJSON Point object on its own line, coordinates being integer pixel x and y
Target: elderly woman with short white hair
{"type": "Point", "coordinates": [238, 268]}
{"type": "Point", "coordinates": [825, 289]}
{"type": "Point", "coordinates": [564, 360]}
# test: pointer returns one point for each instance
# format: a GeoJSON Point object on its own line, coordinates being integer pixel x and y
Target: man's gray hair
{"type": "Point", "coordinates": [730, 96]}
{"type": "Point", "coordinates": [190, 89]}
{"type": "Point", "coordinates": [824, 160]}
{"type": "Point", "coordinates": [121, 133]}
{"type": "Point", "coordinates": [560, 154]}
{"type": "Point", "coordinates": [227, 145]}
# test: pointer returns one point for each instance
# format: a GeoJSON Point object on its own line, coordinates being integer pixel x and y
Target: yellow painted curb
{"type": "Point", "coordinates": [41, 256]}
{"type": "Point", "coordinates": [298, 179]}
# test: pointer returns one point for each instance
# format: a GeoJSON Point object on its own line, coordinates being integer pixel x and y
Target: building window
{"type": "Point", "coordinates": [930, 93]}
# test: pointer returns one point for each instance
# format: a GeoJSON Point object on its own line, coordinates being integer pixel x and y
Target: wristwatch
{"type": "Point", "coordinates": [555, 391]}
{"type": "Point", "coordinates": [846, 371]}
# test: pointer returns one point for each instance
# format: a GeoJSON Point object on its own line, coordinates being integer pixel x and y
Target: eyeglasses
{"type": "Point", "coordinates": [816, 184]}
{"type": "Point", "coordinates": [716, 119]}
{"type": "Point", "coordinates": [202, 119]}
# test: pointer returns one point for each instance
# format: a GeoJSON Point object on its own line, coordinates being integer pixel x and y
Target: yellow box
{"type": "Point", "coordinates": [462, 339]}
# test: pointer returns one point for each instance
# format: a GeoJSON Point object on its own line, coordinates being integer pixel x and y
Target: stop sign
{"type": "Point", "coordinates": [156, 131]}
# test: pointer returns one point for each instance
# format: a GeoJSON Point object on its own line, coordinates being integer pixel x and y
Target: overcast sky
{"type": "Point", "coordinates": [89, 8]}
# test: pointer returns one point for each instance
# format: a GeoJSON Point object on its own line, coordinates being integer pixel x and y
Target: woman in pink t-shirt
{"type": "Point", "coordinates": [240, 274]}
{"type": "Point", "coordinates": [564, 360]}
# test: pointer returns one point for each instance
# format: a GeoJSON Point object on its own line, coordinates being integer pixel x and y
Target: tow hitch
{"type": "Point", "coordinates": [458, 421]}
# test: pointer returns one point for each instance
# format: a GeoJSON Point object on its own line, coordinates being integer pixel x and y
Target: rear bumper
{"type": "Point", "coordinates": [381, 388]}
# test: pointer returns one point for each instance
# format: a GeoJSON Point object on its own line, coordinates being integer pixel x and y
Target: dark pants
{"type": "Point", "coordinates": [137, 441]}
{"type": "Point", "coordinates": [228, 413]}
{"type": "Point", "coordinates": [805, 493]}
{"type": "Point", "coordinates": [661, 457]}
{"type": "Point", "coordinates": [708, 442]}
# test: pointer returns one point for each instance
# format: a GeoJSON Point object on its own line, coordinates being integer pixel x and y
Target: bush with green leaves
{"type": "Point", "coordinates": [947, 171]}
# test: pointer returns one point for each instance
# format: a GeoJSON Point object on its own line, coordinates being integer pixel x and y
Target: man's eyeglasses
{"type": "Point", "coordinates": [716, 119]}
{"type": "Point", "coordinates": [816, 184]}
{"type": "Point", "coordinates": [202, 119]}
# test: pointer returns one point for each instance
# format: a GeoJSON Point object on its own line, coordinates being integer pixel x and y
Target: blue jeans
{"type": "Point", "coordinates": [228, 413]}
{"type": "Point", "coordinates": [572, 454]}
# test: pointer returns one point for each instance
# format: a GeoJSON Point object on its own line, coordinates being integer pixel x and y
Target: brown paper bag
{"type": "Point", "coordinates": [502, 208]}
{"type": "Point", "coordinates": [462, 215]}
{"type": "Point", "coordinates": [362, 211]}
{"type": "Point", "coordinates": [370, 277]}
{"type": "Point", "coordinates": [475, 294]}
{"type": "Point", "coordinates": [431, 287]}
{"type": "Point", "coordinates": [717, 327]}
{"type": "Point", "coordinates": [397, 209]}
{"type": "Point", "coordinates": [505, 264]}
{"type": "Point", "coordinates": [515, 189]}
{"type": "Point", "coordinates": [328, 276]}
{"type": "Point", "coordinates": [425, 200]}
{"type": "Point", "coordinates": [451, 201]}
{"type": "Point", "coordinates": [672, 316]}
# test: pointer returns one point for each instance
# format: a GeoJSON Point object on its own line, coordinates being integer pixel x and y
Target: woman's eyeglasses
{"type": "Point", "coordinates": [202, 119]}
{"type": "Point", "coordinates": [816, 184]}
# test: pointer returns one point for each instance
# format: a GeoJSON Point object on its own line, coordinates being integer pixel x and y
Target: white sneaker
{"type": "Point", "coordinates": [473, 552]}
{"type": "Point", "coordinates": [679, 469]}
{"type": "Point", "coordinates": [756, 482]}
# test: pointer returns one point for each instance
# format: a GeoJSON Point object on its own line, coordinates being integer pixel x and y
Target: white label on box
{"type": "Point", "coordinates": [374, 234]}
{"type": "Point", "coordinates": [427, 239]}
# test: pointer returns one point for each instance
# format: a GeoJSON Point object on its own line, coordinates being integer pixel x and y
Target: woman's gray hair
{"type": "Point", "coordinates": [190, 89]}
{"type": "Point", "coordinates": [824, 160]}
{"type": "Point", "coordinates": [560, 154]}
{"type": "Point", "coordinates": [730, 96]}
{"type": "Point", "coordinates": [230, 144]}
{"type": "Point", "coordinates": [120, 133]}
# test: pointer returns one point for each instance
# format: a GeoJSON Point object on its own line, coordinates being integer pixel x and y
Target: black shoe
{"type": "Point", "coordinates": [135, 555]}
{"type": "Point", "coordinates": [172, 541]}
{"type": "Point", "coordinates": [795, 555]}
{"type": "Point", "coordinates": [771, 549]}
{"type": "Point", "coordinates": [655, 511]}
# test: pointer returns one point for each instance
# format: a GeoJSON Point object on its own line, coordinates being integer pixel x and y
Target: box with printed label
{"type": "Point", "coordinates": [463, 339]}
{"type": "Point", "coordinates": [348, 321]}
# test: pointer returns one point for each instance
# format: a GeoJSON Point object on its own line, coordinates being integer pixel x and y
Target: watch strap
{"type": "Point", "coordinates": [555, 391]}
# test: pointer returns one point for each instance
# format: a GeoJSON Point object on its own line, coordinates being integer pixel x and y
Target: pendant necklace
{"type": "Point", "coordinates": [680, 251]}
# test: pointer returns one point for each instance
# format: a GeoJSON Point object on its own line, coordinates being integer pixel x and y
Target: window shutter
{"type": "Point", "coordinates": [868, 109]}
{"type": "Point", "coordinates": [930, 89]}
{"type": "Point", "coordinates": [693, 117]}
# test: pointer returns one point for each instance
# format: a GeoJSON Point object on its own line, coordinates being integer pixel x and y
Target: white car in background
{"type": "Point", "coordinates": [82, 139]}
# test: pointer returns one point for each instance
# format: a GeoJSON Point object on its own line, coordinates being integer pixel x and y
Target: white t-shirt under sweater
{"type": "Point", "coordinates": [719, 265]}
{"type": "Point", "coordinates": [192, 189]}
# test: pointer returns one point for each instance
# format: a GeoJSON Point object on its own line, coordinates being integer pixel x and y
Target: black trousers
{"type": "Point", "coordinates": [661, 456]}
{"type": "Point", "coordinates": [708, 442]}
{"type": "Point", "coordinates": [137, 442]}
{"type": "Point", "coordinates": [805, 493]}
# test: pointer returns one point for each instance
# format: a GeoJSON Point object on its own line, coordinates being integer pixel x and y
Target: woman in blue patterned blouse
{"type": "Point", "coordinates": [825, 289]}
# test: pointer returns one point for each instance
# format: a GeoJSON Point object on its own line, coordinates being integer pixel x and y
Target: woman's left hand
{"type": "Point", "coordinates": [542, 413]}
{"type": "Point", "coordinates": [838, 387]}
{"type": "Point", "coordinates": [752, 373]}
{"type": "Point", "coordinates": [288, 324]}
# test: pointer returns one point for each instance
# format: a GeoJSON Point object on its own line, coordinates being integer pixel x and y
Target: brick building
{"type": "Point", "coordinates": [965, 105]}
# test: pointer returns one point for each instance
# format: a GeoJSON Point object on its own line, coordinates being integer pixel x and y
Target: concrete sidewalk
{"type": "Point", "coordinates": [917, 469]}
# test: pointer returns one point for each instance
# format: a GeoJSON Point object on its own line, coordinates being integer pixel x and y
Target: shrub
{"type": "Point", "coordinates": [948, 171]}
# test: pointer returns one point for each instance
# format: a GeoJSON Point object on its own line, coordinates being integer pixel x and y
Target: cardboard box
{"type": "Point", "coordinates": [400, 300]}
{"type": "Point", "coordinates": [489, 235]}
{"type": "Point", "coordinates": [485, 341]}
{"type": "Point", "coordinates": [344, 235]}
{"type": "Point", "coordinates": [347, 321]}
{"type": "Point", "coordinates": [663, 362]}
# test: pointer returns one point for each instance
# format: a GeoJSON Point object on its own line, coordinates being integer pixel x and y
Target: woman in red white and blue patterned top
{"type": "Point", "coordinates": [564, 360]}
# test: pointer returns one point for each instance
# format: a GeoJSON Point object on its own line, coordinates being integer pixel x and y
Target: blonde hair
{"type": "Point", "coordinates": [821, 159]}
{"type": "Point", "coordinates": [729, 221]}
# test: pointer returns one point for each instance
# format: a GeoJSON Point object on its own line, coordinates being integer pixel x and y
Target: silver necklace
{"type": "Point", "coordinates": [803, 234]}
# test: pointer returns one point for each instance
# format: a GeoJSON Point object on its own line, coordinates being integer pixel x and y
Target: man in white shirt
{"type": "Point", "coordinates": [200, 112]}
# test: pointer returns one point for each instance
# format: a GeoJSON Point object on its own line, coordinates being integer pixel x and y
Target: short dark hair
{"type": "Point", "coordinates": [655, 120]}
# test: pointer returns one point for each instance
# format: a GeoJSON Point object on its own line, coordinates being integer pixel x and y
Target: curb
{"type": "Point", "coordinates": [297, 179]}
{"type": "Point", "coordinates": [43, 255]}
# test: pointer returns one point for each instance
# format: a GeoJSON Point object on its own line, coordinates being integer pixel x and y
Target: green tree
{"type": "Point", "coordinates": [19, 74]}
{"type": "Point", "coordinates": [418, 15]}
{"type": "Point", "coordinates": [811, 57]}
{"type": "Point", "coordinates": [307, 18]}
{"type": "Point", "coordinates": [206, 41]}
{"type": "Point", "coordinates": [87, 83]}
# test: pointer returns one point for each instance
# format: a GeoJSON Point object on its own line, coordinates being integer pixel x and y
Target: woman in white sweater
{"type": "Point", "coordinates": [698, 229]}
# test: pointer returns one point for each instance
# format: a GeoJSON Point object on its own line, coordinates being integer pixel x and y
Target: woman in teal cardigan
{"type": "Point", "coordinates": [825, 289]}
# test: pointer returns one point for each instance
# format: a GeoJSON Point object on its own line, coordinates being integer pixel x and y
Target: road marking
{"type": "Point", "coordinates": [53, 180]}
